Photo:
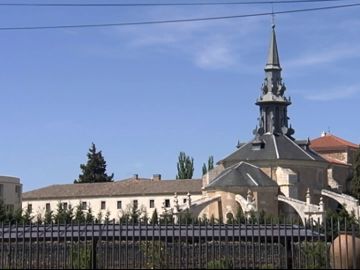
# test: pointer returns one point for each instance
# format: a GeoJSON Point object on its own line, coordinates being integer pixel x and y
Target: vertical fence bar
{"type": "Point", "coordinates": [153, 247]}
{"type": "Point", "coordinates": [52, 244]}
{"type": "Point", "coordinates": [179, 246]}
{"type": "Point", "coordinates": [219, 235]}
{"type": "Point", "coordinates": [44, 250]}
{"type": "Point", "coordinates": [78, 245]}
{"type": "Point", "coordinates": [166, 244]}
{"type": "Point", "coordinates": [193, 243]}
{"type": "Point", "coordinates": [252, 244]}
{"type": "Point", "coordinates": [119, 254]}
{"type": "Point", "coordinates": [106, 243]}
{"type": "Point", "coordinates": [72, 245]}
{"type": "Point", "coordinates": [16, 244]}
{"type": "Point", "coordinates": [206, 244]}
{"type": "Point", "coordinates": [213, 242]}
{"type": "Point", "coordinates": [140, 236]}
{"type": "Point", "coordinates": [173, 245]}
{"type": "Point", "coordinates": [266, 244]}
{"type": "Point", "coordinates": [2, 245]}
{"type": "Point", "coordinates": [23, 246]}
{"type": "Point", "coordinates": [113, 245]}
{"type": "Point", "coordinates": [272, 242]}
{"type": "Point", "coordinates": [37, 246]}
{"type": "Point", "coordinates": [233, 244]}
{"type": "Point", "coordinates": [355, 266]}
{"type": "Point", "coordinates": [246, 245]}
{"type": "Point", "coordinates": [259, 243]}
{"type": "Point", "coordinates": [292, 243]}
{"type": "Point", "coordinates": [65, 245]}
{"type": "Point", "coordinates": [327, 266]}
{"type": "Point", "coordinates": [30, 247]}
{"type": "Point", "coordinates": [186, 244]}
{"type": "Point", "coordinates": [339, 229]}
{"type": "Point", "coordinates": [126, 243]}
{"type": "Point", "coordinates": [279, 244]}
{"type": "Point", "coordinates": [286, 244]}
{"type": "Point", "coordinates": [9, 257]}
{"type": "Point", "coordinates": [299, 245]}
{"type": "Point", "coordinates": [200, 244]}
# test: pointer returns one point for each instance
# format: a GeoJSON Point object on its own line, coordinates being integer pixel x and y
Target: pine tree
{"type": "Point", "coordinates": [89, 218]}
{"type": "Point", "coordinates": [95, 169]}
{"type": "Point", "coordinates": [185, 167]}
{"type": "Point", "coordinates": [209, 167]}
{"type": "Point", "coordinates": [355, 183]}
{"type": "Point", "coordinates": [79, 214]}
{"type": "Point", "coordinates": [204, 169]}
{"type": "Point", "coordinates": [154, 218]}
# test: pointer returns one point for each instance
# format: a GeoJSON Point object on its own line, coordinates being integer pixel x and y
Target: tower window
{"type": "Point", "coordinates": [119, 204]}
{"type": "Point", "coordinates": [152, 204]}
{"type": "Point", "coordinates": [103, 205]}
{"type": "Point", "coordinates": [167, 203]}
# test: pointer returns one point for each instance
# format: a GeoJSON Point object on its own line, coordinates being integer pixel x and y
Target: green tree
{"type": "Point", "coordinates": [94, 170]}
{"type": "Point", "coordinates": [79, 214]}
{"type": "Point", "coordinates": [185, 167]}
{"type": "Point", "coordinates": [209, 166]}
{"type": "Point", "coordinates": [154, 218]}
{"type": "Point", "coordinates": [355, 181]}
{"type": "Point", "coordinates": [89, 218]}
{"type": "Point", "coordinates": [48, 218]}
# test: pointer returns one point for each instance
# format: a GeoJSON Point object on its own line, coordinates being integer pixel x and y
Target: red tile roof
{"type": "Point", "coordinates": [331, 142]}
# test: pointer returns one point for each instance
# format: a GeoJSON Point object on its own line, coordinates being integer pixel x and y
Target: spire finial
{"type": "Point", "coordinates": [273, 16]}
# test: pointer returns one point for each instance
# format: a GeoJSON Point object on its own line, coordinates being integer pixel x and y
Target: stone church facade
{"type": "Point", "coordinates": [274, 172]}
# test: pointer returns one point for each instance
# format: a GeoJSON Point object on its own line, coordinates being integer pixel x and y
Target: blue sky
{"type": "Point", "coordinates": [142, 94]}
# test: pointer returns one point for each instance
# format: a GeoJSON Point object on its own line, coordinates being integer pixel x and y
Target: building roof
{"type": "Point", "coordinates": [331, 142]}
{"type": "Point", "coordinates": [272, 147]}
{"type": "Point", "coordinates": [129, 187]}
{"type": "Point", "coordinates": [242, 174]}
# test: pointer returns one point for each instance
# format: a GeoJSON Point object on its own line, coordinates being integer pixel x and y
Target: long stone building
{"type": "Point", "coordinates": [273, 172]}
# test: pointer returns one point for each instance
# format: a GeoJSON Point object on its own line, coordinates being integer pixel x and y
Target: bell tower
{"type": "Point", "coordinates": [272, 101]}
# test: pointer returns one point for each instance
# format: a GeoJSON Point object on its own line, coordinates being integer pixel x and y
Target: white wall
{"type": "Point", "coordinates": [39, 206]}
{"type": "Point", "coordinates": [10, 191]}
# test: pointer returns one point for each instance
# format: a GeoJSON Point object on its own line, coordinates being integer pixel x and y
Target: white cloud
{"type": "Point", "coordinates": [215, 56]}
{"type": "Point", "coordinates": [335, 94]}
{"type": "Point", "coordinates": [324, 56]}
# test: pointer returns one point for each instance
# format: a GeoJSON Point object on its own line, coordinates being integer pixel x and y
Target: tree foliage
{"type": "Point", "coordinates": [355, 183]}
{"type": "Point", "coordinates": [209, 166]}
{"type": "Point", "coordinates": [185, 167]}
{"type": "Point", "coordinates": [95, 169]}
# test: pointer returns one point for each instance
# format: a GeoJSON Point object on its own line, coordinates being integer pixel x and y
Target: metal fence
{"type": "Point", "coordinates": [175, 246]}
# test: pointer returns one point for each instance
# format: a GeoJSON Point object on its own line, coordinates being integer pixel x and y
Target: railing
{"type": "Point", "coordinates": [174, 246]}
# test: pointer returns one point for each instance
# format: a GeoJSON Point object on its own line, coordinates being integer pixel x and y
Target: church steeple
{"type": "Point", "coordinates": [272, 102]}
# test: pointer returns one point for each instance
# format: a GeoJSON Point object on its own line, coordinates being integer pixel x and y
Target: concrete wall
{"type": "Point", "coordinates": [39, 206]}
{"type": "Point", "coordinates": [10, 192]}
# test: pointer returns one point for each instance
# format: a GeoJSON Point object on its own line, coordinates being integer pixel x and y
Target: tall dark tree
{"type": "Point", "coordinates": [185, 167]}
{"type": "Point", "coordinates": [210, 165]}
{"type": "Point", "coordinates": [355, 182]}
{"type": "Point", "coordinates": [95, 169]}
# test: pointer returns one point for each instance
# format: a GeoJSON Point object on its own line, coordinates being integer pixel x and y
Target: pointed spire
{"type": "Point", "coordinates": [273, 61]}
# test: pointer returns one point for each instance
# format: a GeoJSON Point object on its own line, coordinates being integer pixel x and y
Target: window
{"type": "Point", "coordinates": [18, 189]}
{"type": "Point", "coordinates": [65, 205]}
{"type": "Point", "coordinates": [83, 205]}
{"type": "Point", "coordinates": [119, 204]}
{"type": "Point", "coordinates": [135, 204]}
{"type": "Point", "coordinates": [47, 207]}
{"type": "Point", "coordinates": [167, 203]}
{"type": "Point", "coordinates": [1, 190]}
{"type": "Point", "coordinates": [29, 207]}
{"type": "Point", "coordinates": [103, 205]}
{"type": "Point", "coordinates": [184, 200]}
{"type": "Point", "coordinates": [152, 204]}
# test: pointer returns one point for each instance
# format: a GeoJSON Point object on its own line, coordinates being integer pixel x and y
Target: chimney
{"type": "Point", "coordinates": [156, 177]}
{"type": "Point", "coordinates": [136, 176]}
